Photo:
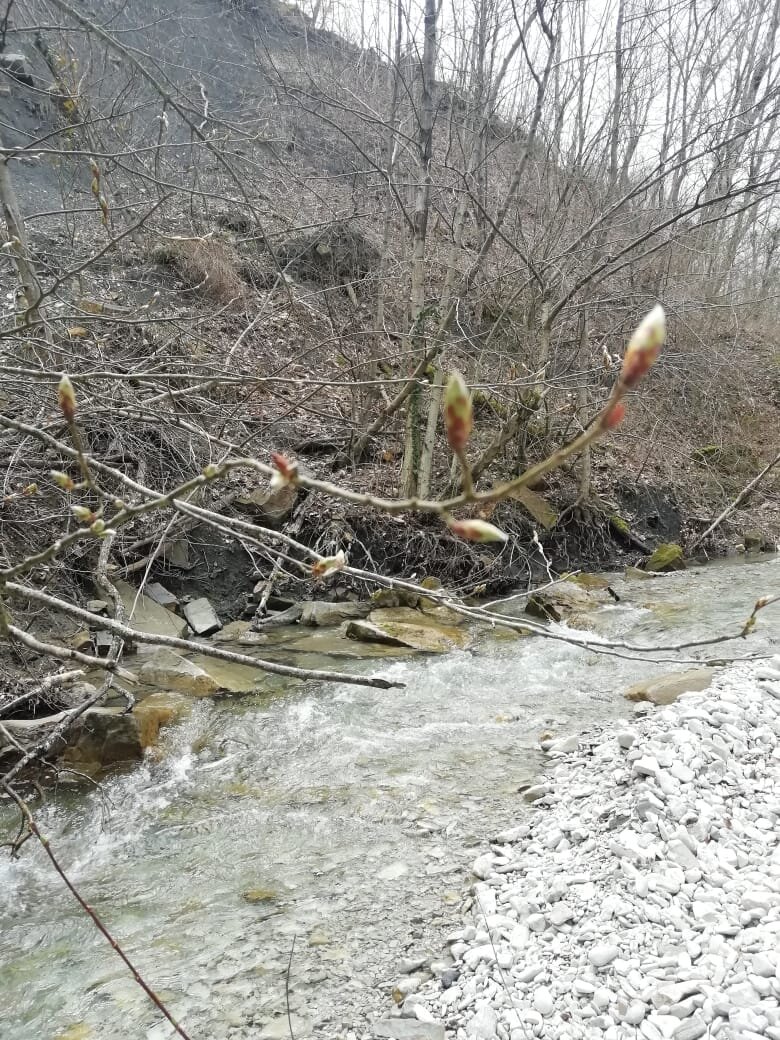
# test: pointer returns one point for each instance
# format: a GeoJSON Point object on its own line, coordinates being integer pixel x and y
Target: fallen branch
{"type": "Point", "coordinates": [741, 497]}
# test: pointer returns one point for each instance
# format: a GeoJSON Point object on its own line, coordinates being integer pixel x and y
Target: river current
{"type": "Point", "coordinates": [304, 847]}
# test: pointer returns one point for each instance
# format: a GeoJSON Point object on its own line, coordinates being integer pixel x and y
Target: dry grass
{"type": "Point", "coordinates": [207, 265]}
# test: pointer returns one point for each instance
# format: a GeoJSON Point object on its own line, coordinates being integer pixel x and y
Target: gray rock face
{"type": "Point", "coordinates": [201, 617]}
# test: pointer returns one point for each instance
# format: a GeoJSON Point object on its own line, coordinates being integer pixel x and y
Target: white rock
{"type": "Point", "coordinates": [483, 866]}
{"type": "Point", "coordinates": [635, 1013]}
{"type": "Point", "coordinates": [482, 1025]}
{"type": "Point", "coordinates": [543, 1001]}
{"type": "Point", "coordinates": [601, 956]}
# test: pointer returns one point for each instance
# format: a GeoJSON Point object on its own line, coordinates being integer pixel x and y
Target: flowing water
{"type": "Point", "coordinates": [323, 832]}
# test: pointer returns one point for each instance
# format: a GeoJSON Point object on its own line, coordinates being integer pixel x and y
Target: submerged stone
{"type": "Point", "coordinates": [260, 895]}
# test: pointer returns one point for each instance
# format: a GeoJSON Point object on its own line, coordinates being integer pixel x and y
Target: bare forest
{"type": "Point", "coordinates": [321, 301]}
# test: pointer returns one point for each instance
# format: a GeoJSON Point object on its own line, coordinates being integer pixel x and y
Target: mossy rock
{"type": "Point", "coordinates": [756, 541]}
{"type": "Point", "coordinates": [393, 598]}
{"type": "Point", "coordinates": [617, 523]}
{"type": "Point", "coordinates": [667, 557]}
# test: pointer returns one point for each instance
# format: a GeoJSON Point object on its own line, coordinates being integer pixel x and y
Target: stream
{"type": "Point", "coordinates": [330, 830]}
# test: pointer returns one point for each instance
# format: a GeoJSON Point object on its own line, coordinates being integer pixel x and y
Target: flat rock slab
{"type": "Point", "coordinates": [161, 595]}
{"type": "Point", "coordinates": [201, 617]}
{"type": "Point", "coordinates": [430, 639]}
{"type": "Point", "coordinates": [665, 689]}
{"type": "Point", "coordinates": [144, 615]}
{"type": "Point", "coordinates": [171, 671]}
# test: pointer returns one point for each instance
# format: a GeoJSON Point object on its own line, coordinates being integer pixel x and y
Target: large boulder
{"type": "Point", "coordinates": [563, 601]}
{"type": "Point", "coordinates": [665, 689]}
{"type": "Point", "coordinates": [667, 557]}
{"type": "Point", "coordinates": [171, 671]}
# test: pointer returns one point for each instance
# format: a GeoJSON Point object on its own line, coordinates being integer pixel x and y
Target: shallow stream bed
{"type": "Point", "coordinates": [335, 824]}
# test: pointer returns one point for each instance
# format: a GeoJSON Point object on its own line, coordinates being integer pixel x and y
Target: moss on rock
{"type": "Point", "coordinates": [667, 557]}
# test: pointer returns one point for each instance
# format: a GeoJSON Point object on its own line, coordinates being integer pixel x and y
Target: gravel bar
{"type": "Point", "coordinates": [640, 895]}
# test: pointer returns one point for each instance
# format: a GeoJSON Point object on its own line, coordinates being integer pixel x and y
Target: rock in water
{"type": "Point", "coordinates": [432, 639]}
{"type": "Point", "coordinates": [564, 600]}
{"type": "Point", "coordinates": [171, 671]}
{"type": "Point", "coordinates": [201, 617]}
{"type": "Point", "coordinates": [665, 689]}
{"type": "Point", "coordinates": [106, 737]}
{"type": "Point", "coordinates": [667, 557]}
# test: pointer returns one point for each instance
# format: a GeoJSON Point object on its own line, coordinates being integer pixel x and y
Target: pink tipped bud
{"type": "Point", "coordinates": [643, 347]}
{"type": "Point", "coordinates": [286, 471]}
{"type": "Point", "coordinates": [329, 564]}
{"type": "Point", "coordinates": [67, 398]}
{"type": "Point", "coordinates": [614, 416]}
{"type": "Point", "coordinates": [458, 412]}
{"type": "Point", "coordinates": [476, 531]}
{"type": "Point", "coordinates": [62, 480]}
